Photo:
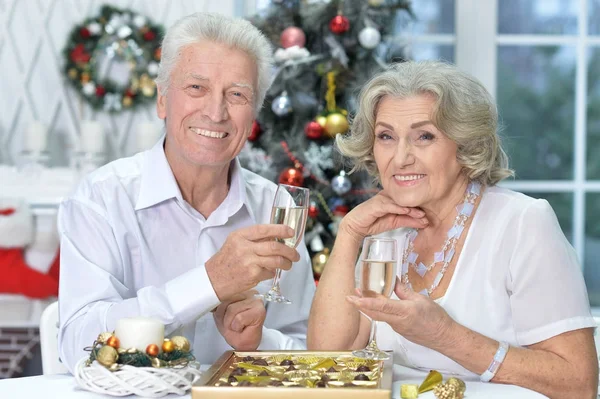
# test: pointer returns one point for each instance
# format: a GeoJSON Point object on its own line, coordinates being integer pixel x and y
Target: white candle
{"type": "Point", "coordinates": [35, 137]}
{"type": "Point", "coordinates": [147, 135]}
{"type": "Point", "coordinates": [92, 137]}
{"type": "Point", "coordinates": [139, 332]}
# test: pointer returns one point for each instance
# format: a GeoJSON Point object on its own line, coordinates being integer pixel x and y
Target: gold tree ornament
{"type": "Point", "coordinates": [319, 261]}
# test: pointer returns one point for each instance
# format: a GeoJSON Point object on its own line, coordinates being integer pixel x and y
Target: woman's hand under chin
{"type": "Point", "coordinates": [379, 214]}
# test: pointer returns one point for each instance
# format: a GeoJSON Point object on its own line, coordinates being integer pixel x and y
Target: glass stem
{"type": "Point", "coordinates": [275, 286]}
{"type": "Point", "coordinates": [372, 345]}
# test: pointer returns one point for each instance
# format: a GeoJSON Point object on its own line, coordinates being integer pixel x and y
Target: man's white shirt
{"type": "Point", "coordinates": [131, 246]}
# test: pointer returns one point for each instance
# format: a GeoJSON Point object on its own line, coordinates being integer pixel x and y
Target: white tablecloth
{"type": "Point", "coordinates": [64, 387]}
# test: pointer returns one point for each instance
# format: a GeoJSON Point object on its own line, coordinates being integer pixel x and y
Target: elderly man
{"type": "Point", "coordinates": [182, 229]}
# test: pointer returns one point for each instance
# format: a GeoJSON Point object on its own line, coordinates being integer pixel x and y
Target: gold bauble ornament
{"type": "Point", "coordinates": [148, 89]}
{"type": "Point", "coordinates": [168, 346]}
{"type": "Point", "coordinates": [319, 261]}
{"type": "Point", "coordinates": [103, 338]}
{"type": "Point", "coordinates": [85, 77]}
{"type": "Point", "coordinates": [336, 123]}
{"type": "Point", "coordinates": [72, 73]}
{"type": "Point", "coordinates": [107, 356]}
{"type": "Point", "coordinates": [181, 343]}
{"type": "Point", "coordinates": [321, 120]}
{"type": "Point", "coordinates": [127, 101]}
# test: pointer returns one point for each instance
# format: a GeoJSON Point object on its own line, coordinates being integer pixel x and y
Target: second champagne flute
{"type": "Point", "coordinates": [376, 277]}
{"type": "Point", "coordinates": [290, 207]}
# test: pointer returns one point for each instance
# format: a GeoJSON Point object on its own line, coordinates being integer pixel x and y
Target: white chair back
{"type": "Point", "coordinates": [51, 363]}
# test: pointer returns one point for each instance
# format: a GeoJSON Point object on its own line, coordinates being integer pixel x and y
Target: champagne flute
{"type": "Point", "coordinates": [376, 277]}
{"type": "Point", "coordinates": [290, 207]}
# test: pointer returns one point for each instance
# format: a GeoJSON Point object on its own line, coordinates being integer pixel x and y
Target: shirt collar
{"type": "Point", "coordinates": [158, 183]}
{"type": "Point", "coordinates": [237, 191]}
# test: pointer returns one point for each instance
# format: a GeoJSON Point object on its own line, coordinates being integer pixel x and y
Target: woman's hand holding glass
{"type": "Point", "coordinates": [416, 317]}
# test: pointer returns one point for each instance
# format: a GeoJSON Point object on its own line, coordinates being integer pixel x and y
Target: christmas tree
{"type": "Point", "coordinates": [325, 51]}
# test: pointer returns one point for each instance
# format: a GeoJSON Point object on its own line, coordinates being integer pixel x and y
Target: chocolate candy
{"type": "Point", "coordinates": [362, 368]}
{"type": "Point", "coordinates": [276, 383]}
{"type": "Point", "coordinates": [325, 378]}
{"type": "Point", "coordinates": [248, 359]}
{"type": "Point", "coordinates": [362, 377]}
{"type": "Point", "coordinates": [331, 370]}
{"type": "Point", "coordinates": [245, 384]}
{"type": "Point", "coordinates": [286, 362]}
{"type": "Point", "coordinates": [291, 368]}
{"type": "Point", "coordinates": [264, 373]}
{"type": "Point", "coordinates": [239, 371]}
{"type": "Point", "coordinates": [231, 379]}
{"type": "Point", "coordinates": [321, 384]}
{"type": "Point", "coordinates": [260, 362]}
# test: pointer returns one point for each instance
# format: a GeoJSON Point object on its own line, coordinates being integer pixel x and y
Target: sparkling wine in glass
{"type": "Point", "coordinates": [376, 277]}
{"type": "Point", "coordinates": [290, 207]}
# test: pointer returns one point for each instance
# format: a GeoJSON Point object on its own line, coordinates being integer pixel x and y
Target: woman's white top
{"type": "Point", "coordinates": [517, 280]}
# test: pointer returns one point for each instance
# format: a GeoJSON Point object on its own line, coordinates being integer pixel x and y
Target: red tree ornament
{"type": "Point", "coordinates": [256, 130]}
{"type": "Point", "coordinates": [292, 177]}
{"type": "Point", "coordinates": [339, 24]}
{"type": "Point", "coordinates": [149, 36]}
{"type": "Point", "coordinates": [313, 211]}
{"type": "Point", "coordinates": [313, 130]}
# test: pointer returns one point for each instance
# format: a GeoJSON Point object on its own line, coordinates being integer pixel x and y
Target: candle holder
{"type": "Point", "coordinates": [32, 163]}
{"type": "Point", "coordinates": [117, 367]}
{"type": "Point", "coordinates": [86, 162]}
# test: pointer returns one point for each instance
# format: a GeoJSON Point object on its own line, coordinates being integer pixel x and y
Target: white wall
{"type": "Point", "coordinates": [33, 34]}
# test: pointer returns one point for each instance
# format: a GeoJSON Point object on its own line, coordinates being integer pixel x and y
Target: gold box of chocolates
{"type": "Point", "coordinates": [288, 374]}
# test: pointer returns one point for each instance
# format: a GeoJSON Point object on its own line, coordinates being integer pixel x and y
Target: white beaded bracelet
{"type": "Point", "coordinates": [496, 362]}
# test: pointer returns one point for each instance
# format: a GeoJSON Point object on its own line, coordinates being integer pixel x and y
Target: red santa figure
{"type": "Point", "coordinates": [29, 261]}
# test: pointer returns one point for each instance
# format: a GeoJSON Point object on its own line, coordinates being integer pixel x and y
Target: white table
{"type": "Point", "coordinates": [63, 386]}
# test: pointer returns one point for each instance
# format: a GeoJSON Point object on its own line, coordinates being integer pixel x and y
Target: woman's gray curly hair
{"type": "Point", "coordinates": [464, 111]}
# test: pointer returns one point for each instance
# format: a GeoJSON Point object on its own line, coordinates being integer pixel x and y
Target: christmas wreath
{"type": "Point", "coordinates": [111, 60]}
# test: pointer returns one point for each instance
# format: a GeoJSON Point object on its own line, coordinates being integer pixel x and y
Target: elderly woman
{"type": "Point", "coordinates": [483, 271]}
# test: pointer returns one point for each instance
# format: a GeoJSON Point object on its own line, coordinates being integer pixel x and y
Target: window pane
{"type": "Point", "coordinates": [428, 51]}
{"type": "Point", "coordinates": [562, 204]}
{"type": "Point", "coordinates": [593, 115]}
{"type": "Point", "coordinates": [537, 16]}
{"type": "Point", "coordinates": [592, 247]}
{"type": "Point", "coordinates": [594, 17]}
{"type": "Point", "coordinates": [432, 17]}
{"type": "Point", "coordinates": [536, 101]}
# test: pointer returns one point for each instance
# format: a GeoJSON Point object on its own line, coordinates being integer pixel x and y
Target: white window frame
{"type": "Point", "coordinates": [476, 52]}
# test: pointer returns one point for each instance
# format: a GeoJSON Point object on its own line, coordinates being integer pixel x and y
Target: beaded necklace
{"type": "Point", "coordinates": [409, 257]}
